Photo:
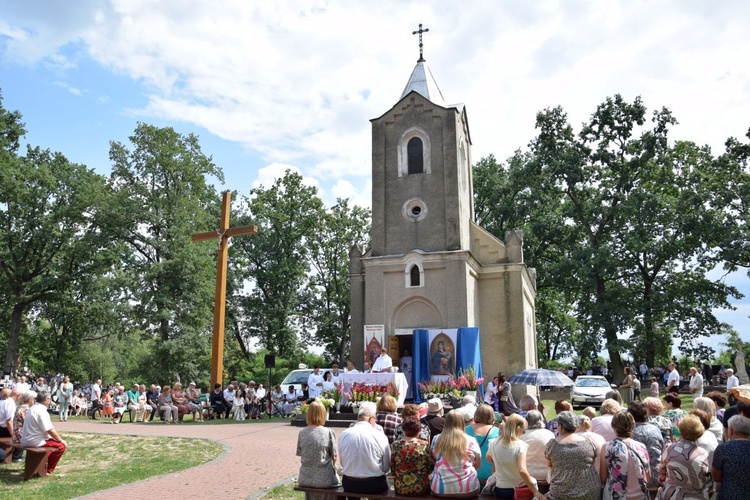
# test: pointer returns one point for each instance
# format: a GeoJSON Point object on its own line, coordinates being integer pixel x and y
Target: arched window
{"type": "Point", "coordinates": [414, 276]}
{"type": "Point", "coordinates": [414, 154]}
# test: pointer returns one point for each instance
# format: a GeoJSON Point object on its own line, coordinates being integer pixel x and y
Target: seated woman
{"type": "Point", "coordinates": [537, 437]}
{"type": "Point", "coordinates": [683, 466]}
{"type": "Point", "coordinates": [193, 397]}
{"type": "Point", "coordinates": [507, 454]}
{"type": "Point", "coordinates": [650, 436]}
{"type": "Point", "coordinates": [624, 469]}
{"type": "Point", "coordinates": [457, 458]}
{"type": "Point", "coordinates": [720, 401]}
{"type": "Point", "coordinates": [239, 402]}
{"type": "Point", "coordinates": [571, 459]}
{"type": "Point", "coordinates": [317, 449]}
{"type": "Point", "coordinates": [654, 408]}
{"type": "Point", "coordinates": [276, 403]}
{"type": "Point", "coordinates": [387, 418]}
{"type": "Point", "coordinates": [411, 460]}
{"type": "Point", "coordinates": [290, 400]}
{"type": "Point", "coordinates": [707, 404]}
{"type": "Point", "coordinates": [143, 402]}
{"type": "Point", "coordinates": [120, 404]}
{"type": "Point", "coordinates": [674, 412]}
{"type": "Point", "coordinates": [484, 431]}
{"type": "Point", "coordinates": [584, 430]}
{"type": "Point", "coordinates": [166, 408]}
{"type": "Point", "coordinates": [81, 404]}
{"type": "Point", "coordinates": [411, 410]}
{"type": "Point", "coordinates": [561, 405]}
{"type": "Point", "coordinates": [179, 400]}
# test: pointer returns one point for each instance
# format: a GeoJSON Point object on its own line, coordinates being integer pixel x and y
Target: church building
{"type": "Point", "coordinates": [429, 265]}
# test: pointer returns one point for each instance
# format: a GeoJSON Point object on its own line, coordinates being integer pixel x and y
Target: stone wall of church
{"type": "Point", "coordinates": [445, 225]}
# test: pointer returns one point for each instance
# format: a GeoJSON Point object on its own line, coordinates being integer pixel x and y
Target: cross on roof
{"type": "Point", "coordinates": [420, 31]}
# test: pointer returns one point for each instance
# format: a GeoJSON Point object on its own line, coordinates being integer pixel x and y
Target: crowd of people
{"type": "Point", "coordinates": [626, 450]}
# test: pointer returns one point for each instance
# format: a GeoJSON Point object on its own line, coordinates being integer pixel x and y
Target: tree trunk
{"type": "Point", "coordinates": [15, 330]}
{"type": "Point", "coordinates": [610, 331]}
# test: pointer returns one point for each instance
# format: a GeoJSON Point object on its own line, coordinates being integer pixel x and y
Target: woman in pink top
{"type": "Point", "coordinates": [457, 458]}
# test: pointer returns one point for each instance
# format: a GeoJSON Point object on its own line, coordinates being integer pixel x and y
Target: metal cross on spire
{"type": "Point", "coordinates": [420, 31]}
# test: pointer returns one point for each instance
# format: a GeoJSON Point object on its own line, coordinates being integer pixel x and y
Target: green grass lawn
{"type": "Point", "coordinates": [96, 462]}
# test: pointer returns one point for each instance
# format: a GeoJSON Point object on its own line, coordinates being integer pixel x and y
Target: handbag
{"type": "Point", "coordinates": [522, 492]}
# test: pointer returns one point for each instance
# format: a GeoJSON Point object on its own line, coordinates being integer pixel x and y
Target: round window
{"type": "Point", "coordinates": [414, 210]}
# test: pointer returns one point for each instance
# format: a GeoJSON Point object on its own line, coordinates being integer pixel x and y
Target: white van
{"type": "Point", "coordinates": [298, 377]}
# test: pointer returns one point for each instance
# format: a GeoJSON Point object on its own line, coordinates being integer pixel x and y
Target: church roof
{"type": "Point", "coordinates": [422, 81]}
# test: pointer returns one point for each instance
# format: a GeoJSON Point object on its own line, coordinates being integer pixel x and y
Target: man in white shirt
{"type": "Point", "coordinates": [696, 383]}
{"type": "Point", "coordinates": [364, 454]}
{"type": "Point", "coordinates": [350, 367]}
{"type": "Point", "coordinates": [315, 383]}
{"type": "Point", "coordinates": [732, 381]}
{"type": "Point", "coordinates": [383, 364]}
{"type": "Point", "coordinates": [96, 398]}
{"type": "Point", "coordinates": [673, 381]}
{"type": "Point", "coordinates": [22, 385]}
{"type": "Point", "coordinates": [8, 400]}
{"type": "Point", "coordinates": [38, 431]}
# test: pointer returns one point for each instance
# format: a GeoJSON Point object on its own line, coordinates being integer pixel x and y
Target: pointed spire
{"type": "Point", "coordinates": [422, 81]}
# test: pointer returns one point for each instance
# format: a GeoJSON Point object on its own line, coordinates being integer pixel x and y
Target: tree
{"type": "Point", "coordinates": [327, 306]}
{"type": "Point", "coordinates": [50, 226]}
{"type": "Point", "coordinates": [617, 225]}
{"type": "Point", "coordinates": [277, 262]}
{"type": "Point", "coordinates": [162, 196]}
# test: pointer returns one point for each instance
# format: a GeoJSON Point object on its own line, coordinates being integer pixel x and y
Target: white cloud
{"type": "Point", "coordinates": [69, 88]}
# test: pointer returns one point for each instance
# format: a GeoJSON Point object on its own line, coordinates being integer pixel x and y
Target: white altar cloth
{"type": "Point", "coordinates": [377, 379]}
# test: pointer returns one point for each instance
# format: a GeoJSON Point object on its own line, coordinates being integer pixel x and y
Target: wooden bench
{"type": "Point", "coordinates": [6, 444]}
{"type": "Point", "coordinates": [37, 458]}
{"type": "Point", "coordinates": [36, 461]}
{"type": "Point", "coordinates": [340, 494]}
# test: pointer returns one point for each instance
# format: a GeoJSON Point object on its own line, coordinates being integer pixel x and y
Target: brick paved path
{"type": "Point", "coordinates": [257, 456]}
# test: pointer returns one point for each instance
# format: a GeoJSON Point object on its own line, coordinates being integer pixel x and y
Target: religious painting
{"type": "Point", "coordinates": [374, 339]}
{"type": "Point", "coordinates": [442, 355]}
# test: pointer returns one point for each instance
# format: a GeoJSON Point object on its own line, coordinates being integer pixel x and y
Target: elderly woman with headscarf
{"type": "Point", "coordinates": [624, 469]}
{"type": "Point", "coordinates": [571, 459]}
{"type": "Point", "coordinates": [537, 437]}
{"type": "Point", "coordinates": [684, 464]}
{"type": "Point", "coordinates": [650, 436]}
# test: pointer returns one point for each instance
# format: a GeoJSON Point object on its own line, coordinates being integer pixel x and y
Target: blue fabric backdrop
{"type": "Point", "coordinates": [467, 353]}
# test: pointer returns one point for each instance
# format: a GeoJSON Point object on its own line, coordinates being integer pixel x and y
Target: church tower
{"type": "Point", "coordinates": [429, 265]}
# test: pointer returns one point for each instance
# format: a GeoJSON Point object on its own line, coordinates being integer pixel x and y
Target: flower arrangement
{"type": "Point", "coordinates": [299, 410]}
{"type": "Point", "coordinates": [437, 389]}
{"type": "Point", "coordinates": [468, 380]}
{"type": "Point", "coordinates": [334, 394]}
{"type": "Point", "coordinates": [368, 392]}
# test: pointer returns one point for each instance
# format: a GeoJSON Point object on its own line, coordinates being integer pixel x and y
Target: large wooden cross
{"type": "Point", "coordinates": [223, 235]}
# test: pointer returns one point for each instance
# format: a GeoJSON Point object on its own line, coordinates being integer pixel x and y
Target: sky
{"type": "Point", "coordinates": [270, 86]}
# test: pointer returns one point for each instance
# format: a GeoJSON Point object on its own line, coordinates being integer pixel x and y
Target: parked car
{"type": "Point", "coordinates": [589, 390]}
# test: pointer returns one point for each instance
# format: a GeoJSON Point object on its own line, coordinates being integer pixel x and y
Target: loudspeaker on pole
{"type": "Point", "coordinates": [270, 360]}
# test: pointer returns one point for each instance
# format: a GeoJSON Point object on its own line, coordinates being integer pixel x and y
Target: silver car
{"type": "Point", "coordinates": [589, 390]}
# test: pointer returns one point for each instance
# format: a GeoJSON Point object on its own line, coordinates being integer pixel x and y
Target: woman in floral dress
{"type": "Point", "coordinates": [684, 465]}
{"type": "Point", "coordinates": [624, 467]}
{"type": "Point", "coordinates": [411, 460]}
{"type": "Point", "coordinates": [318, 451]}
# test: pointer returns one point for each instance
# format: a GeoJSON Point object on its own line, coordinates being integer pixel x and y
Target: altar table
{"type": "Point", "coordinates": [377, 379]}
